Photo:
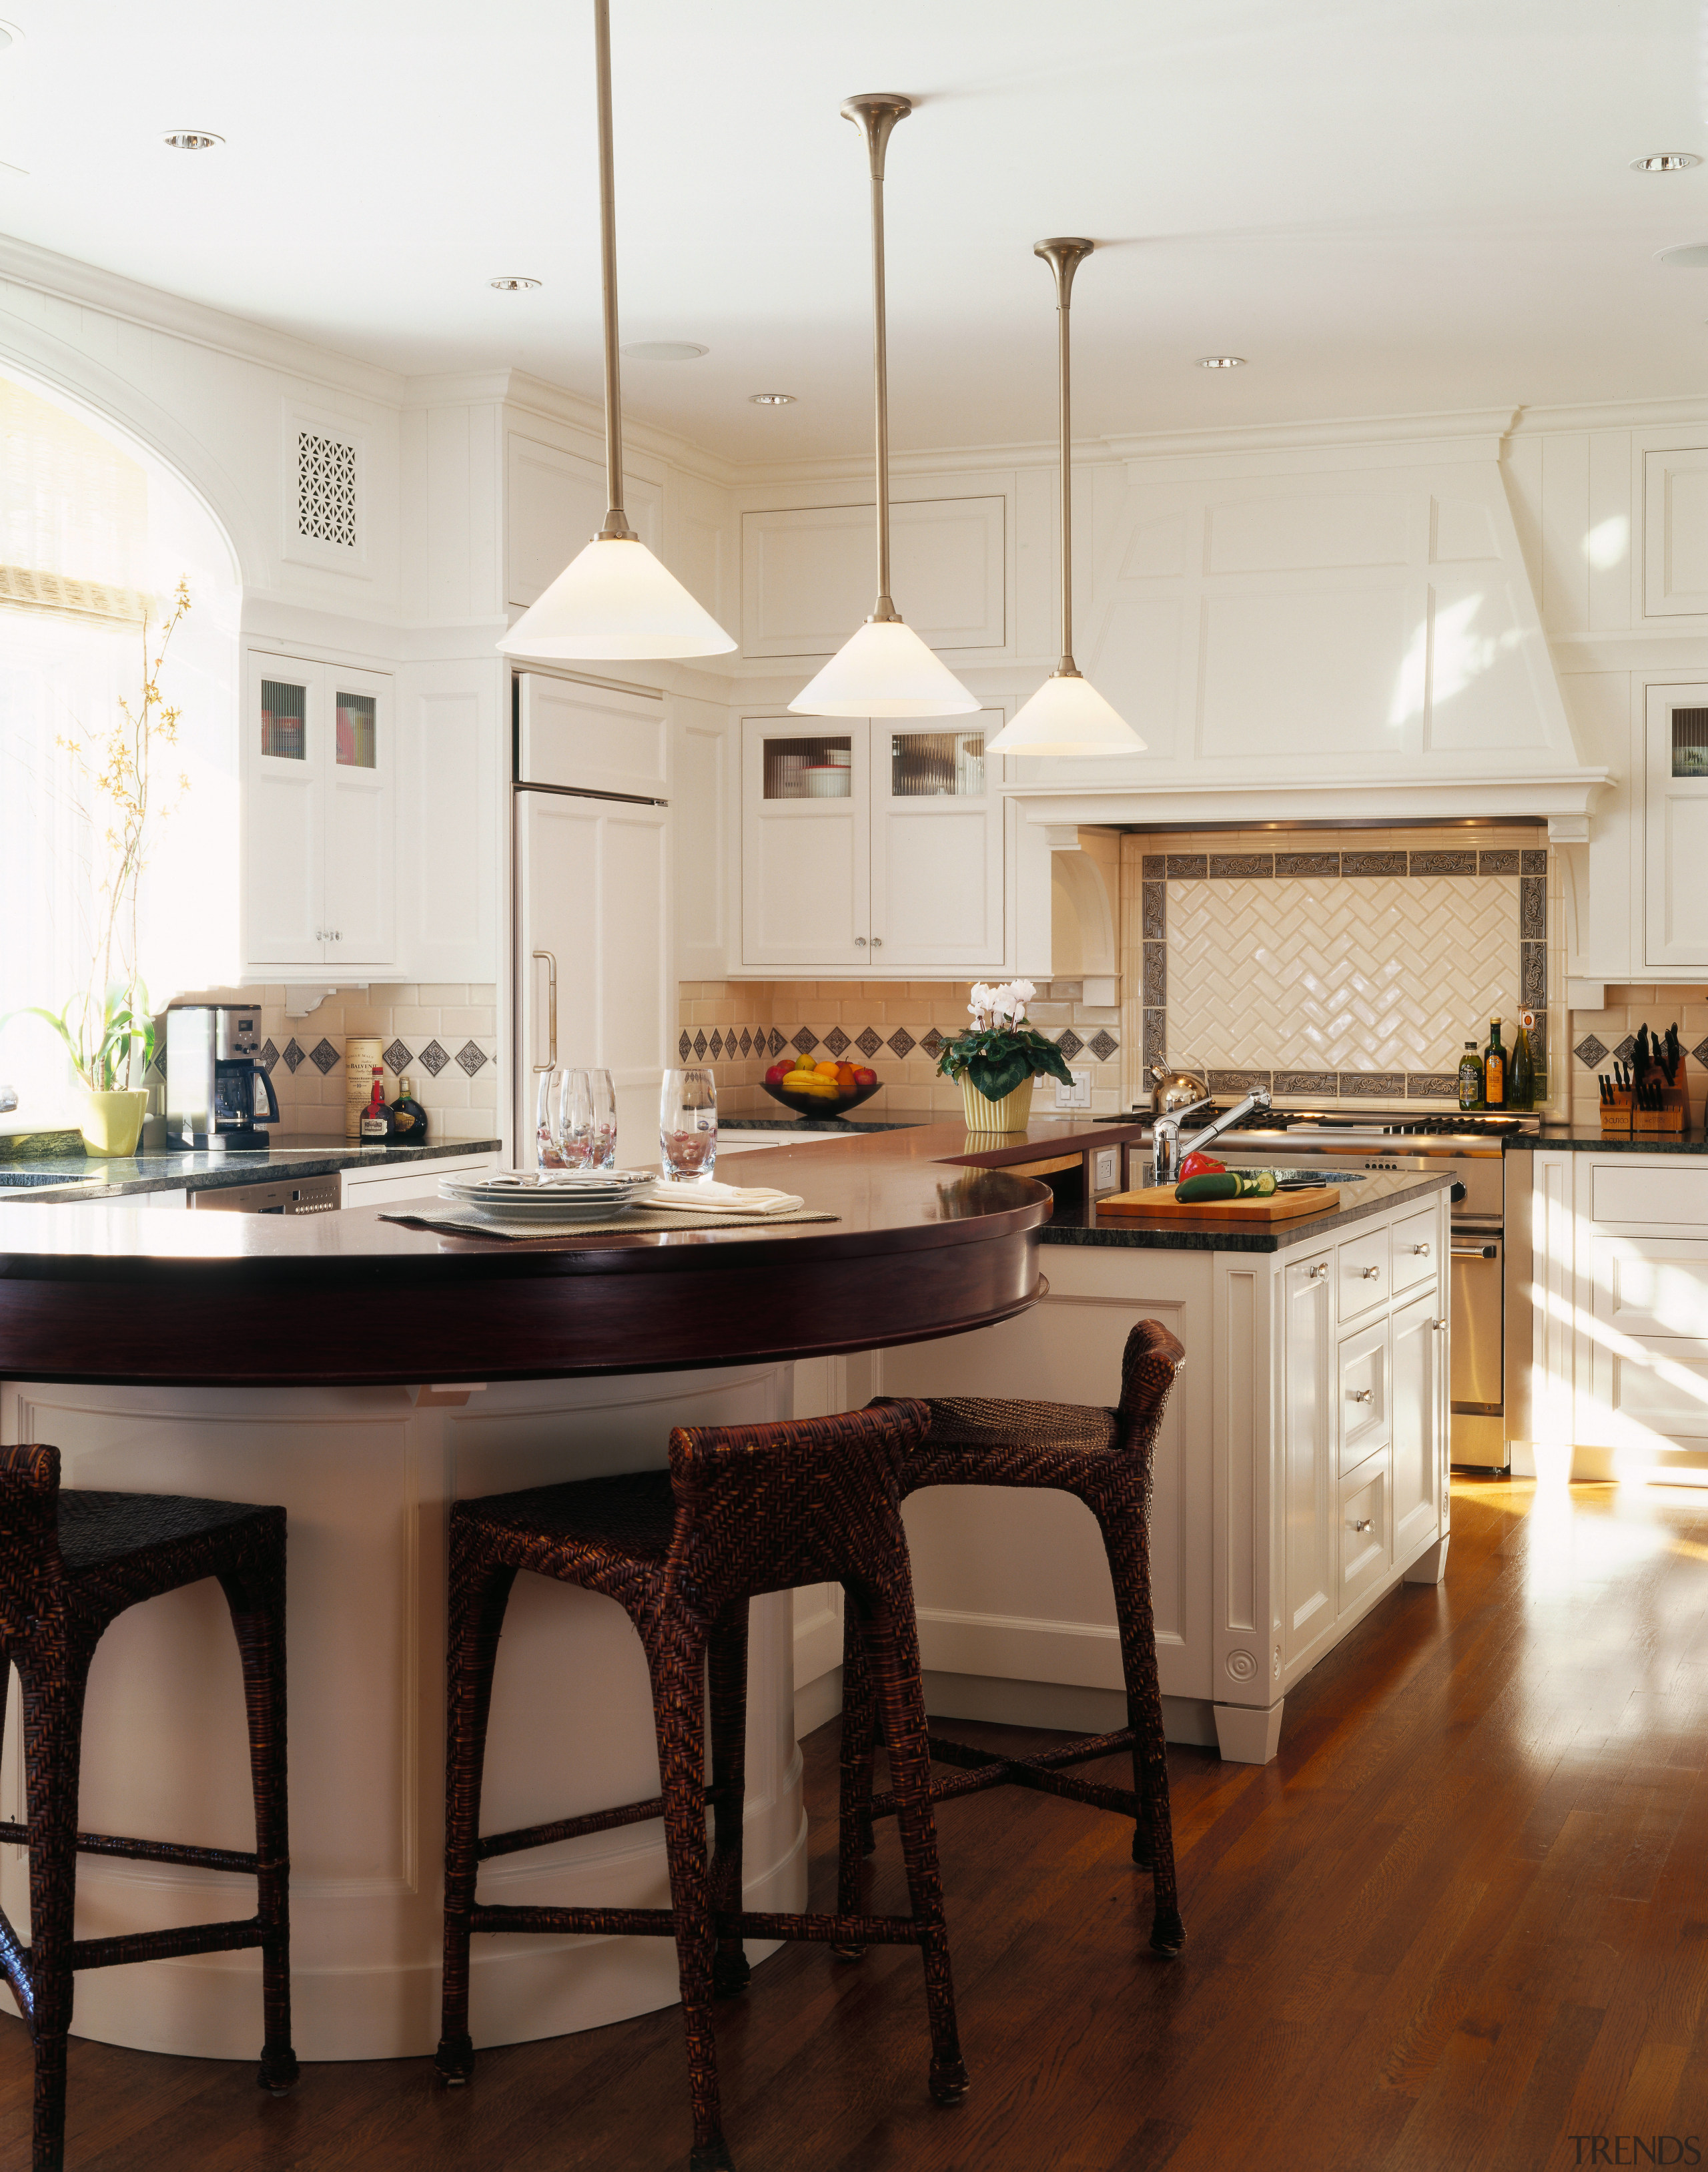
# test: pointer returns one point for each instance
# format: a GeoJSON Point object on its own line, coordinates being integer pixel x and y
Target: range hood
{"type": "Point", "coordinates": [1331, 632]}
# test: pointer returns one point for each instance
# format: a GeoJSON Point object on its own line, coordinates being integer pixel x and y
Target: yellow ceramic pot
{"type": "Point", "coordinates": [1012, 1113]}
{"type": "Point", "coordinates": [112, 1123]}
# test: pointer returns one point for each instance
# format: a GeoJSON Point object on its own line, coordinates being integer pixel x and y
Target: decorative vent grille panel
{"type": "Point", "coordinates": [326, 490]}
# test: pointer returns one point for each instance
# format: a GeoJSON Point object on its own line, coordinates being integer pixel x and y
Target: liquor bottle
{"type": "Point", "coordinates": [409, 1121]}
{"type": "Point", "coordinates": [376, 1118]}
{"type": "Point", "coordinates": [1494, 1069]}
{"type": "Point", "coordinates": [1520, 1086]}
{"type": "Point", "coordinates": [1471, 1078]}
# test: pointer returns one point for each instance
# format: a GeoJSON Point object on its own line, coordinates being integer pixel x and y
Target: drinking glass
{"type": "Point", "coordinates": [688, 1123]}
{"type": "Point", "coordinates": [602, 1095]}
{"type": "Point", "coordinates": [573, 1128]}
{"type": "Point", "coordinates": [548, 1150]}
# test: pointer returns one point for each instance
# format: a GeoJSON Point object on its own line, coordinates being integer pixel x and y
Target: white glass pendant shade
{"type": "Point", "coordinates": [884, 670]}
{"type": "Point", "coordinates": [614, 602]}
{"type": "Point", "coordinates": [1066, 715]}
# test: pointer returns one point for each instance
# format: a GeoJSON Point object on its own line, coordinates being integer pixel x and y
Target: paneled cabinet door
{"type": "Point", "coordinates": [360, 786]}
{"type": "Point", "coordinates": [1308, 1449]}
{"type": "Point", "coordinates": [1675, 918]}
{"type": "Point", "coordinates": [1419, 1424]}
{"type": "Point", "coordinates": [806, 843]}
{"type": "Point", "coordinates": [937, 845]}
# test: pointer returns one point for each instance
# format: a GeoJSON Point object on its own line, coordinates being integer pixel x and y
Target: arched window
{"type": "Point", "coordinates": [95, 537]}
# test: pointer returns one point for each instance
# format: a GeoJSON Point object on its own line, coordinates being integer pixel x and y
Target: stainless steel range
{"type": "Point", "coordinates": [1470, 1148]}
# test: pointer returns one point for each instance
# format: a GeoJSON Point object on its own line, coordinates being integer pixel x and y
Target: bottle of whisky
{"type": "Point", "coordinates": [409, 1122]}
{"type": "Point", "coordinates": [1521, 1086]}
{"type": "Point", "coordinates": [1471, 1078]}
{"type": "Point", "coordinates": [1494, 1069]}
{"type": "Point", "coordinates": [375, 1128]}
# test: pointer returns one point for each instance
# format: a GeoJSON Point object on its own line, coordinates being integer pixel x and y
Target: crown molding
{"type": "Point", "coordinates": [67, 278]}
{"type": "Point", "coordinates": [1612, 414]}
{"type": "Point", "coordinates": [554, 403]}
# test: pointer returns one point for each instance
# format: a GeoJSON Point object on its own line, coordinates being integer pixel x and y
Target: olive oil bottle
{"type": "Point", "coordinates": [1471, 1078]}
{"type": "Point", "coordinates": [1494, 1069]}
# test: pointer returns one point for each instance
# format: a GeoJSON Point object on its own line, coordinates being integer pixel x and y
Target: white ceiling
{"type": "Point", "coordinates": [1389, 205]}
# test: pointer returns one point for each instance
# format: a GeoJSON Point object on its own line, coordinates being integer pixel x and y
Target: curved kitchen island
{"type": "Point", "coordinates": [366, 1375]}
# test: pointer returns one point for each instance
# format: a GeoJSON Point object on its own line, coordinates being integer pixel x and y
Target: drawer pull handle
{"type": "Point", "coordinates": [1372, 1274]}
{"type": "Point", "coordinates": [1476, 1252]}
{"type": "Point", "coordinates": [1363, 1395]}
{"type": "Point", "coordinates": [1364, 1523]}
{"type": "Point", "coordinates": [1422, 1251]}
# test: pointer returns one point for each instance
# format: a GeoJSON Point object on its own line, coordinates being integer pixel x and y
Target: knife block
{"type": "Point", "coordinates": [1624, 1119]}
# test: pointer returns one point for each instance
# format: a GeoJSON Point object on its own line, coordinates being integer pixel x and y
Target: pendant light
{"type": "Point", "coordinates": [884, 670]}
{"type": "Point", "coordinates": [614, 603]}
{"type": "Point", "coordinates": [1067, 715]}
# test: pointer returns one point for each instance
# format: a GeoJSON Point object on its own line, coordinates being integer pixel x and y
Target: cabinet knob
{"type": "Point", "coordinates": [1372, 1274]}
{"type": "Point", "coordinates": [1363, 1523]}
{"type": "Point", "coordinates": [1363, 1395]}
{"type": "Point", "coordinates": [877, 942]}
{"type": "Point", "coordinates": [859, 942]}
{"type": "Point", "coordinates": [1318, 1272]}
{"type": "Point", "coordinates": [1437, 1324]}
{"type": "Point", "coordinates": [1421, 1250]}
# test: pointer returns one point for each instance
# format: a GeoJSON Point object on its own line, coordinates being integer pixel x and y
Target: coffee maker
{"type": "Point", "coordinates": [217, 1096]}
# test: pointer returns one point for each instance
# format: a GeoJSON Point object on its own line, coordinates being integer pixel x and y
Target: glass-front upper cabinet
{"type": "Point", "coordinates": [1675, 918]}
{"type": "Point", "coordinates": [320, 812]}
{"type": "Point", "coordinates": [875, 846]}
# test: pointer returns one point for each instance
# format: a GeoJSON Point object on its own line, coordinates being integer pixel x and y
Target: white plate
{"type": "Point", "coordinates": [510, 1181]}
{"type": "Point", "coordinates": [518, 1209]}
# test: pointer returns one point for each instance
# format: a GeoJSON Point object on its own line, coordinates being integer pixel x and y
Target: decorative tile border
{"type": "Point", "coordinates": [1158, 869]}
{"type": "Point", "coordinates": [742, 1043]}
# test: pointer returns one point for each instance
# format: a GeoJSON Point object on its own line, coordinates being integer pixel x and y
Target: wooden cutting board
{"type": "Point", "coordinates": [1279, 1206]}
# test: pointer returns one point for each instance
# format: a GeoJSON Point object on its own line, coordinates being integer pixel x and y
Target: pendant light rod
{"type": "Point", "coordinates": [1064, 255]}
{"type": "Point", "coordinates": [875, 114]}
{"type": "Point", "coordinates": [616, 528]}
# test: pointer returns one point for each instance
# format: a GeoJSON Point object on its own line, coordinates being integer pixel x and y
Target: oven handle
{"type": "Point", "coordinates": [1474, 1251]}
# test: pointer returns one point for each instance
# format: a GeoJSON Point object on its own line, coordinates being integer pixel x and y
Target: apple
{"type": "Point", "coordinates": [862, 1077]}
{"type": "Point", "coordinates": [777, 1073]}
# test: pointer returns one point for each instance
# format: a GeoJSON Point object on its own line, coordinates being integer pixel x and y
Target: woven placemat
{"type": "Point", "coordinates": [638, 1222]}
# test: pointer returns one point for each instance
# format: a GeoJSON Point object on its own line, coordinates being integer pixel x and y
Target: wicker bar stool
{"type": "Point", "coordinates": [742, 1510]}
{"type": "Point", "coordinates": [70, 1563]}
{"type": "Point", "coordinates": [1103, 1457]}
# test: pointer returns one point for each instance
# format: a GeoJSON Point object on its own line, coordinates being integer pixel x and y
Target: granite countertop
{"type": "Point", "coordinates": [851, 1126]}
{"type": "Point", "coordinates": [1590, 1138]}
{"type": "Point", "coordinates": [1373, 1194]}
{"type": "Point", "coordinates": [87, 1177]}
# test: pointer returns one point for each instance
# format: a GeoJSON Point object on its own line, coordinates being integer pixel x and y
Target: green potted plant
{"type": "Point", "coordinates": [106, 1025]}
{"type": "Point", "coordinates": [997, 1057]}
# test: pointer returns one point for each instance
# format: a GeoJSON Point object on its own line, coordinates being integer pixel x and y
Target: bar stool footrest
{"type": "Point", "coordinates": [167, 1945]}
{"type": "Point", "coordinates": [147, 1851]}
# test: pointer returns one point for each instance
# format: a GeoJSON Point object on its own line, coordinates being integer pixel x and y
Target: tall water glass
{"type": "Point", "coordinates": [602, 1097]}
{"type": "Point", "coordinates": [572, 1130]}
{"type": "Point", "coordinates": [548, 1149]}
{"type": "Point", "coordinates": [688, 1123]}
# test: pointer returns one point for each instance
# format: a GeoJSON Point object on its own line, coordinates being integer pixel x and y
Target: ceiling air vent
{"type": "Point", "coordinates": [326, 490]}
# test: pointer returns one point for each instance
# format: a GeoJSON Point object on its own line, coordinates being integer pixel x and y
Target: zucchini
{"type": "Point", "coordinates": [1227, 1184]}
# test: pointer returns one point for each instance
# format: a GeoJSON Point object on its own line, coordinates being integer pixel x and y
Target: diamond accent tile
{"type": "Point", "coordinates": [699, 1047]}
{"type": "Point", "coordinates": [1320, 976]}
{"type": "Point", "coordinates": [398, 1057]}
{"type": "Point", "coordinates": [777, 1043]}
{"type": "Point", "coordinates": [933, 1044]}
{"type": "Point", "coordinates": [295, 1055]}
{"type": "Point", "coordinates": [746, 1041]}
{"type": "Point", "coordinates": [900, 1043]}
{"type": "Point", "coordinates": [433, 1059]}
{"type": "Point", "coordinates": [1627, 1048]}
{"type": "Point", "coordinates": [1700, 1052]}
{"type": "Point", "coordinates": [685, 1048]}
{"type": "Point", "coordinates": [717, 1044]}
{"type": "Point", "coordinates": [1103, 1045]}
{"type": "Point", "coordinates": [471, 1056]}
{"type": "Point", "coordinates": [804, 1042]}
{"type": "Point", "coordinates": [269, 1056]}
{"type": "Point", "coordinates": [836, 1040]}
{"type": "Point", "coordinates": [869, 1044]}
{"type": "Point", "coordinates": [324, 1056]}
{"type": "Point", "coordinates": [1069, 1043]}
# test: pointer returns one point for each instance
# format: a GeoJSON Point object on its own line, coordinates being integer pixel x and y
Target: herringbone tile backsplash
{"type": "Point", "coordinates": [1373, 973]}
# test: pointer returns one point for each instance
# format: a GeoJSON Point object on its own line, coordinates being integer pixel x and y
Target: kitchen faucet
{"type": "Point", "coordinates": [1166, 1148]}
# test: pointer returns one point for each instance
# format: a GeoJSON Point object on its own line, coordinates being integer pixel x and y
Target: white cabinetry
{"type": "Point", "coordinates": [1675, 827]}
{"type": "Point", "coordinates": [1307, 1452]}
{"type": "Point", "coordinates": [873, 848]}
{"type": "Point", "coordinates": [321, 787]}
{"type": "Point", "coordinates": [385, 1185]}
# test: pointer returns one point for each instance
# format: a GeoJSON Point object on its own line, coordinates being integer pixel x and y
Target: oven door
{"type": "Point", "coordinates": [1478, 1399]}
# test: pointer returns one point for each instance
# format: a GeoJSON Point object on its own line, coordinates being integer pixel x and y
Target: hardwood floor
{"type": "Point", "coordinates": [1462, 1919]}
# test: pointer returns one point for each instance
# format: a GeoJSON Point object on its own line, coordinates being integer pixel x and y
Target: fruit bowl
{"type": "Point", "coordinates": [846, 1098]}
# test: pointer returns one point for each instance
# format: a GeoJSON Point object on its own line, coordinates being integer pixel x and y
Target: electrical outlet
{"type": "Point", "coordinates": [1105, 1168]}
{"type": "Point", "coordinates": [1075, 1096]}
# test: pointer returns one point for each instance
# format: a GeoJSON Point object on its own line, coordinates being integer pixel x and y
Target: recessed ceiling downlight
{"type": "Point", "coordinates": [511, 283]}
{"type": "Point", "coordinates": [771, 399]}
{"type": "Point", "coordinates": [665, 350]}
{"type": "Point", "coordinates": [193, 139]}
{"type": "Point", "coordinates": [1666, 162]}
{"type": "Point", "coordinates": [1221, 362]}
{"type": "Point", "coordinates": [1687, 256]}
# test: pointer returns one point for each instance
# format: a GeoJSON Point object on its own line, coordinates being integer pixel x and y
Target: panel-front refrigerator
{"type": "Point", "coordinates": [594, 977]}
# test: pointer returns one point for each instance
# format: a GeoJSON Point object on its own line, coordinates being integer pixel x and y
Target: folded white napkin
{"type": "Point", "coordinates": [702, 1196]}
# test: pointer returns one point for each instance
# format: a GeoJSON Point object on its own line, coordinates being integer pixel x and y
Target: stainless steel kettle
{"type": "Point", "coordinates": [1176, 1089]}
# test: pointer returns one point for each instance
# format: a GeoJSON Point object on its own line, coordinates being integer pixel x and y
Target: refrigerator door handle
{"type": "Point", "coordinates": [550, 1062]}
